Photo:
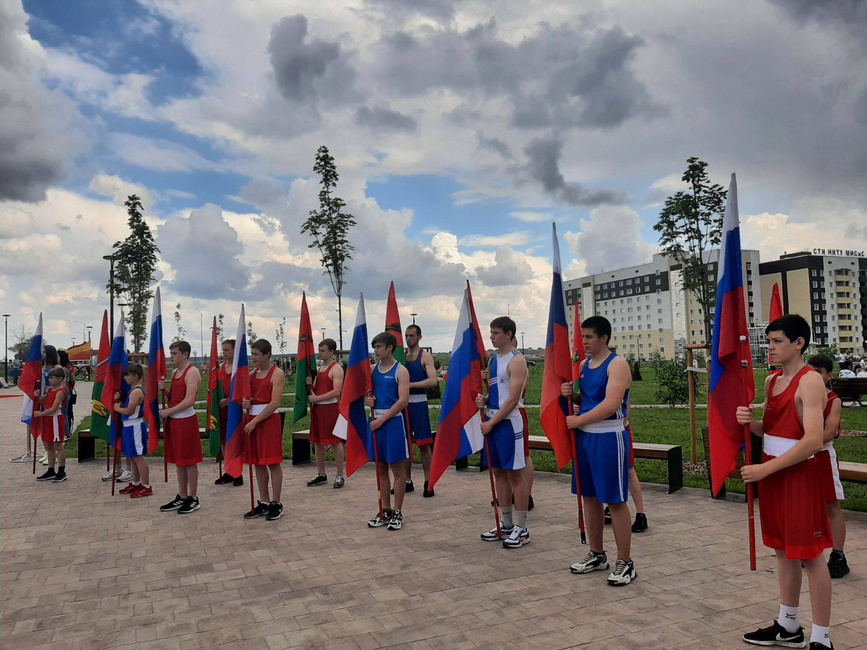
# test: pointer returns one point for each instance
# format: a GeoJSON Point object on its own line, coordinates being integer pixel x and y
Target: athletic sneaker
{"type": "Point", "coordinates": [225, 478]}
{"type": "Point", "coordinates": [410, 487]}
{"type": "Point", "coordinates": [380, 520]}
{"type": "Point", "coordinates": [61, 477]}
{"type": "Point", "coordinates": [837, 564]}
{"type": "Point", "coordinates": [395, 522]}
{"type": "Point", "coordinates": [427, 493]}
{"type": "Point", "coordinates": [593, 562]}
{"type": "Point", "coordinates": [111, 474]}
{"type": "Point", "coordinates": [129, 488]}
{"type": "Point", "coordinates": [815, 645]}
{"type": "Point", "coordinates": [776, 634]}
{"type": "Point", "coordinates": [640, 524]}
{"type": "Point", "coordinates": [623, 574]}
{"type": "Point", "coordinates": [338, 482]}
{"type": "Point", "coordinates": [319, 480]}
{"type": "Point", "coordinates": [125, 477]}
{"type": "Point", "coordinates": [275, 511]}
{"type": "Point", "coordinates": [172, 505]}
{"type": "Point", "coordinates": [518, 538]}
{"type": "Point", "coordinates": [142, 492]}
{"type": "Point", "coordinates": [238, 481]}
{"type": "Point", "coordinates": [260, 510]}
{"type": "Point", "coordinates": [607, 515]}
{"type": "Point", "coordinates": [191, 504]}
{"type": "Point", "coordinates": [491, 535]}
{"type": "Point", "coordinates": [48, 476]}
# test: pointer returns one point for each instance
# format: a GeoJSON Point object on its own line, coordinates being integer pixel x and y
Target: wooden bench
{"type": "Point", "coordinates": [850, 389]}
{"type": "Point", "coordinates": [854, 472]}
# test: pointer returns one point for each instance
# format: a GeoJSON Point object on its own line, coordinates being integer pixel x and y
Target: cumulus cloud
{"type": "Point", "coordinates": [610, 239]}
{"type": "Point", "coordinates": [543, 166]}
{"type": "Point", "coordinates": [119, 190]}
{"type": "Point", "coordinates": [509, 269]}
{"type": "Point", "coordinates": [440, 10]}
{"type": "Point", "coordinates": [381, 118]}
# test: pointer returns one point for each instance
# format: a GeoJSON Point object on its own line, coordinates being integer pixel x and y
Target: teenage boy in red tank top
{"type": "Point", "coordinates": [793, 511]}
{"type": "Point", "coordinates": [324, 398]}
{"type": "Point", "coordinates": [183, 447]}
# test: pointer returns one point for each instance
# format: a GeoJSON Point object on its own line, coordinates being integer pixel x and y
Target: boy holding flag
{"type": "Point", "coordinates": [134, 439]}
{"type": "Point", "coordinates": [422, 376]}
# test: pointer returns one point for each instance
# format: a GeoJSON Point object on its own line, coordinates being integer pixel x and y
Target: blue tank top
{"type": "Point", "coordinates": [417, 373]}
{"type": "Point", "coordinates": [138, 412]}
{"type": "Point", "coordinates": [593, 384]}
{"type": "Point", "coordinates": [385, 387]}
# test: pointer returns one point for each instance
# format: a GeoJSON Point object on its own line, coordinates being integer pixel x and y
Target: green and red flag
{"type": "Point", "coordinates": [305, 362]}
{"type": "Point", "coordinates": [392, 324]}
{"type": "Point", "coordinates": [99, 414]}
{"type": "Point", "coordinates": [578, 352]}
{"type": "Point", "coordinates": [215, 394]}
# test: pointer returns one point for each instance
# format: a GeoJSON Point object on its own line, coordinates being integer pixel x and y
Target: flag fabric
{"type": "Point", "coordinates": [305, 364]}
{"type": "Point", "coordinates": [236, 438]}
{"type": "Point", "coordinates": [80, 352]}
{"type": "Point", "coordinates": [776, 304]}
{"type": "Point", "coordinates": [99, 413]}
{"type": "Point", "coordinates": [578, 352]}
{"type": "Point", "coordinates": [114, 383]}
{"type": "Point", "coordinates": [558, 368]}
{"type": "Point", "coordinates": [459, 432]}
{"type": "Point", "coordinates": [352, 423]}
{"type": "Point", "coordinates": [31, 378]}
{"type": "Point", "coordinates": [480, 342]}
{"type": "Point", "coordinates": [731, 372]}
{"type": "Point", "coordinates": [156, 370]}
{"type": "Point", "coordinates": [215, 394]}
{"type": "Point", "coordinates": [392, 325]}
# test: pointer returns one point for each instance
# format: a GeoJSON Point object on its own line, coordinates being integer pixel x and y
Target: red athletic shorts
{"type": "Point", "coordinates": [181, 441]}
{"type": "Point", "coordinates": [826, 478]}
{"type": "Point", "coordinates": [793, 509]}
{"type": "Point", "coordinates": [526, 431]}
{"type": "Point", "coordinates": [53, 428]}
{"type": "Point", "coordinates": [323, 418]}
{"type": "Point", "coordinates": [266, 443]}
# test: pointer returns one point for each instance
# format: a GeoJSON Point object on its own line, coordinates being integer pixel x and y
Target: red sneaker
{"type": "Point", "coordinates": [142, 492]}
{"type": "Point", "coordinates": [129, 489]}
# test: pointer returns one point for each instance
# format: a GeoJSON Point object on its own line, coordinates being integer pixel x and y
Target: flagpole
{"type": "Point", "coordinates": [376, 461]}
{"type": "Point", "coordinates": [494, 500]}
{"type": "Point", "coordinates": [250, 458]}
{"type": "Point", "coordinates": [118, 431]}
{"type": "Point", "coordinates": [165, 440]}
{"type": "Point", "coordinates": [581, 525]}
{"type": "Point", "coordinates": [748, 460]}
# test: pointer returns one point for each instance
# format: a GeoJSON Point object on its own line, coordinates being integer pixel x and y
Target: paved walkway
{"type": "Point", "coordinates": [81, 569]}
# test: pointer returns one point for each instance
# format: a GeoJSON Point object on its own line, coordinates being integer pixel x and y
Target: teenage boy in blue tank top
{"type": "Point", "coordinates": [389, 399]}
{"type": "Point", "coordinates": [602, 444]}
{"type": "Point", "coordinates": [422, 376]}
{"type": "Point", "coordinates": [504, 434]}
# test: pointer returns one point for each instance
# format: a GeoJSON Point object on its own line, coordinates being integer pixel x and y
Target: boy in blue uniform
{"type": "Point", "coordinates": [422, 376]}
{"type": "Point", "coordinates": [602, 444]}
{"type": "Point", "coordinates": [134, 438]}
{"type": "Point", "coordinates": [389, 399]}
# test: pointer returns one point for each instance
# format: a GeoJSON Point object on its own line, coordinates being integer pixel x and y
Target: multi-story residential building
{"type": "Point", "coordinates": [828, 287]}
{"type": "Point", "coordinates": [648, 307]}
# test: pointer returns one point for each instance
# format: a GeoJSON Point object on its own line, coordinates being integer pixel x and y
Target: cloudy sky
{"type": "Point", "coordinates": [461, 130]}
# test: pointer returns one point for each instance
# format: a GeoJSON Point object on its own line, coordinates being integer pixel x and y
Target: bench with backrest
{"type": "Point", "coordinates": [850, 389]}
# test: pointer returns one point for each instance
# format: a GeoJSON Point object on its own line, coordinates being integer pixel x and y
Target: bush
{"type": "Point", "coordinates": [673, 381]}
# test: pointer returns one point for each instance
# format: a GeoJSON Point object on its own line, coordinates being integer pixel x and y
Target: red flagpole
{"type": "Point", "coordinates": [581, 526]}
{"type": "Point", "coordinates": [376, 461]}
{"type": "Point", "coordinates": [118, 431]}
{"type": "Point", "coordinates": [494, 499]}
{"type": "Point", "coordinates": [250, 458]}
{"type": "Point", "coordinates": [751, 515]}
{"type": "Point", "coordinates": [165, 441]}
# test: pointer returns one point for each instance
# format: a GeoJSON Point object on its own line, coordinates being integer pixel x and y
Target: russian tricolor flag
{"type": "Point", "coordinates": [118, 360]}
{"type": "Point", "coordinates": [459, 432]}
{"type": "Point", "coordinates": [558, 368]}
{"type": "Point", "coordinates": [236, 439]}
{"type": "Point", "coordinates": [731, 371]}
{"type": "Point", "coordinates": [31, 377]}
{"type": "Point", "coordinates": [352, 424]}
{"type": "Point", "coordinates": [156, 370]}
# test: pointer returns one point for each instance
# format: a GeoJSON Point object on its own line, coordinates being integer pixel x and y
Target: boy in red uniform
{"type": "Point", "coordinates": [325, 409]}
{"type": "Point", "coordinates": [265, 431]}
{"type": "Point", "coordinates": [793, 511]}
{"type": "Point", "coordinates": [183, 447]}
{"type": "Point", "coordinates": [224, 376]}
{"type": "Point", "coordinates": [53, 425]}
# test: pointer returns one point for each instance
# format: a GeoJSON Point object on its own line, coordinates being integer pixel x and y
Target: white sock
{"type": "Point", "coordinates": [506, 517]}
{"type": "Point", "coordinates": [821, 635]}
{"type": "Point", "coordinates": [788, 618]}
{"type": "Point", "coordinates": [134, 484]}
{"type": "Point", "coordinates": [521, 518]}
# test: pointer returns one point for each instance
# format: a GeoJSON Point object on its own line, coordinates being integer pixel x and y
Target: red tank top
{"type": "Point", "coordinates": [178, 389]}
{"type": "Point", "coordinates": [831, 397]}
{"type": "Point", "coordinates": [225, 378]}
{"type": "Point", "coordinates": [781, 418]}
{"type": "Point", "coordinates": [50, 396]}
{"type": "Point", "coordinates": [260, 389]}
{"type": "Point", "coordinates": [323, 382]}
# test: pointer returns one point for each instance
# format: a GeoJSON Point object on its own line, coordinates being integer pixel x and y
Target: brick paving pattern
{"type": "Point", "coordinates": [81, 569]}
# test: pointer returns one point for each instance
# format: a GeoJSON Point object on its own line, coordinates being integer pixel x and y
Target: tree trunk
{"type": "Point", "coordinates": [340, 319]}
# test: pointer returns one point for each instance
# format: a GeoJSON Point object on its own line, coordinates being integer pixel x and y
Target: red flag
{"type": "Point", "coordinates": [776, 304]}
{"type": "Point", "coordinates": [392, 324]}
{"type": "Point", "coordinates": [480, 342]}
{"type": "Point", "coordinates": [99, 412]}
{"type": "Point", "coordinates": [305, 365]}
{"type": "Point", "coordinates": [578, 353]}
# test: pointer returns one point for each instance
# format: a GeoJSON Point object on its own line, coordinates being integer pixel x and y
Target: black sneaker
{"type": "Point", "coordinates": [238, 481]}
{"type": "Point", "coordinates": [623, 574]}
{"type": "Point", "coordinates": [607, 515]}
{"type": "Point", "coordinates": [640, 524]}
{"type": "Point", "coordinates": [275, 511]}
{"type": "Point", "coordinates": [47, 476]}
{"type": "Point", "coordinates": [395, 522]}
{"type": "Point", "coordinates": [410, 487]}
{"type": "Point", "coordinates": [172, 505]}
{"type": "Point", "coordinates": [492, 536]}
{"type": "Point", "coordinates": [319, 480]}
{"type": "Point", "coordinates": [591, 562]}
{"type": "Point", "coordinates": [191, 504]}
{"type": "Point", "coordinates": [260, 511]}
{"type": "Point", "coordinates": [339, 482]}
{"type": "Point", "coordinates": [379, 521]}
{"type": "Point", "coordinates": [225, 478]}
{"type": "Point", "coordinates": [60, 477]}
{"type": "Point", "coordinates": [427, 493]}
{"type": "Point", "coordinates": [837, 564]}
{"type": "Point", "coordinates": [776, 634]}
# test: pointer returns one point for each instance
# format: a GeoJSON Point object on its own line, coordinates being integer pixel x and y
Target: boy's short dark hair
{"type": "Point", "coordinates": [504, 323]}
{"type": "Point", "coordinates": [182, 346]}
{"type": "Point", "coordinates": [794, 326]}
{"type": "Point", "coordinates": [331, 344]}
{"type": "Point", "coordinates": [263, 345]}
{"type": "Point", "coordinates": [135, 370]}
{"type": "Point", "coordinates": [57, 372]}
{"type": "Point", "coordinates": [600, 326]}
{"type": "Point", "coordinates": [821, 362]}
{"type": "Point", "coordinates": [387, 339]}
{"type": "Point", "coordinates": [229, 342]}
{"type": "Point", "coordinates": [414, 327]}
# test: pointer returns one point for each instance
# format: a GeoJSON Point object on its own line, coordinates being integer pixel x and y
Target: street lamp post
{"type": "Point", "coordinates": [522, 343]}
{"type": "Point", "coordinates": [413, 317]}
{"type": "Point", "coordinates": [322, 329]}
{"type": "Point", "coordinates": [201, 332]}
{"type": "Point", "coordinates": [89, 327]}
{"type": "Point", "coordinates": [6, 347]}
{"type": "Point", "coordinates": [83, 328]}
{"type": "Point", "coordinates": [112, 259]}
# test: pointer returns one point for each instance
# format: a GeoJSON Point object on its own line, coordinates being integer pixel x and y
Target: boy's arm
{"type": "Point", "coordinates": [431, 380]}
{"type": "Point", "coordinates": [745, 414]}
{"type": "Point", "coordinates": [135, 398]}
{"type": "Point", "coordinates": [192, 382]}
{"type": "Point", "coordinates": [832, 422]}
{"type": "Point", "coordinates": [619, 381]}
{"type": "Point", "coordinates": [51, 410]}
{"type": "Point", "coordinates": [336, 375]}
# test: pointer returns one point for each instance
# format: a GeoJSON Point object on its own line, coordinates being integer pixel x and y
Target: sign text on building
{"type": "Point", "coordinates": [837, 252]}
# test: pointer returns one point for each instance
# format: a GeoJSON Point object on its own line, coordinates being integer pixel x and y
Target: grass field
{"type": "Point", "coordinates": [657, 425]}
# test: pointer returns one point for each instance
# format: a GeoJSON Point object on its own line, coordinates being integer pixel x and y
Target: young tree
{"type": "Point", "coordinates": [280, 335]}
{"type": "Point", "coordinates": [220, 318]}
{"type": "Point", "coordinates": [251, 334]}
{"type": "Point", "coordinates": [134, 273]}
{"type": "Point", "coordinates": [690, 224]}
{"type": "Point", "coordinates": [329, 226]}
{"type": "Point", "coordinates": [182, 333]}
{"type": "Point", "coordinates": [22, 338]}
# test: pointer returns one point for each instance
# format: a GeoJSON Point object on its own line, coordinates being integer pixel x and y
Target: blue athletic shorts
{"type": "Point", "coordinates": [419, 423]}
{"type": "Point", "coordinates": [391, 441]}
{"type": "Point", "coordinates": [134, 440]}
{"type": "Point", "coordinates": [603, 461]}
{"type": "Point", "coordinates": [507, 446]}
